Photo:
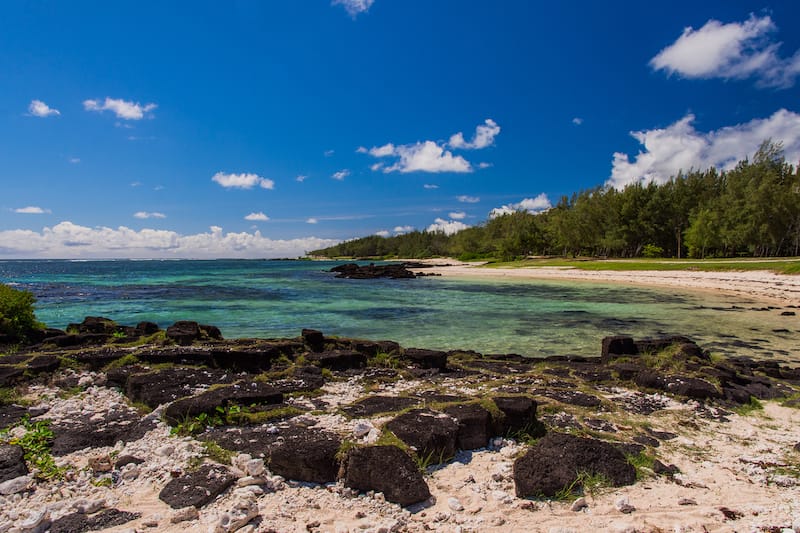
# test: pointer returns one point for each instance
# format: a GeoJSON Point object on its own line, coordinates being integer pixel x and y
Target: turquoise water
{"type": "Point", "coordinates": [279, 298]}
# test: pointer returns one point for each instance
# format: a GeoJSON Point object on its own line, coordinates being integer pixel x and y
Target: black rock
{"type": "Point", "coordinates": [617, 346]}
{"type": "Point", "coordinates": [144, 329]}
{"type": "Point", "coordinates": [433, 435]}
{"type": "Point", "coordinates": [647, 440]}
{"type": "Point", "coordinates": [664, 470]}
{"type": "Point", "coordinates": [154, 388]}
{"type": "Point", "coordinates": [519, 414]}
{"type": "Point", "coordinates": [426, 358]}
{"type": "Point", "coordinates": [474, 425]}
{"type": "Point", "coordinates": [314, 339]}
{"type": "Point", "coordinates": [305, 455]}
{"type": "Point", "coordinates": [553, 463]}
{"type": "Point", "coordinates": [76, 433]}
{"type": "Point", "coordinates": [197, 488]}
{"type": "Point", "coordinates": [184, 332]}
{"type": "Point", "coordinates": [338, 359]}
{"type": "Point", "coordinates": [12, 462]}
{"type": "Point", "coordinates": [386, 469]}
{"type": "Point", "coordinates": [373, 405]}
{"type": "Point", "coordinates": [79, 522]}
{"type": "Point", "coordinates": [242, 392]}
{"type": "Point", "coordinates": [372, 271]}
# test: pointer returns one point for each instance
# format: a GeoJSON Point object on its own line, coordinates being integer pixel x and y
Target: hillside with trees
{"type": "Point", "coordinates": [751, 210]}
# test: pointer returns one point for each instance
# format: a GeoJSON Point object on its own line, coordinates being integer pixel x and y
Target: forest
{"type": "Point", "coordinates": [752, 210]}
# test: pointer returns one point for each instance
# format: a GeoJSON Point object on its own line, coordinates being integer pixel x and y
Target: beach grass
{"type": "Point", "coordinates": [780, 266]}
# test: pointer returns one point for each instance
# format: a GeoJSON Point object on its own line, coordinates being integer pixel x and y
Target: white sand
{"type": "Point", "coordinates": [761, 284]}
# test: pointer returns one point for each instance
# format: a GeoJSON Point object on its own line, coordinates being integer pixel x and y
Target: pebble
{"type": "Point", "coordinates": [687, 501]}
{"type": "Point", "coordinates": [454, 504]}
{"type": "Point", "coordinates": [361, 428]}
{"type": "Point", "coordinates": [165, 451]}
{"type": "Point", "coordinates": [15, 485]}
{"type": "Point", "coordinates": [579, 505]}
{"type": "Point", "coordinates": [624, 506]}
{"type": "Point", "coordinates": [185, 514]}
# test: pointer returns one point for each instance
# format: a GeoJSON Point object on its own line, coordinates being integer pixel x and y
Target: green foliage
{"type": "Point", "coordinates": [9, 396]}
{"type": "Point", "coordinates": [36, 444]}
{"type": "Point", "coordinates": [750, 407]}
{"type": "Point", "coordinates": [104, 481]}
{"type": "Point", "coordinates": [751, 210]}
{"type": "Point", "coordinates": [125, 360]}
{"type": "Point", "coordinates": [652, 251]}
{"type": "Point", "coordinates": [584, 483]}
{"type": "Point", "coordinates": [217, 453]}
{"type": "Point", "coordinates": [643, 463]}
{"type": "Point", "coordinates": [17, 318]}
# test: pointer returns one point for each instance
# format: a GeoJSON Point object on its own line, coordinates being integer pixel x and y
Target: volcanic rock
{"type": "Point", "coordinates": [386, 469]}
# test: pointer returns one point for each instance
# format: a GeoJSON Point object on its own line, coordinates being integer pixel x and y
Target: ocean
{"type": "Point", "coordinates": [269, 299]}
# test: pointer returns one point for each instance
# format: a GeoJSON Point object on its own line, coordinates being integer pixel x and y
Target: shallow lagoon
{"type": "Point", "coordinates": [278, 298]}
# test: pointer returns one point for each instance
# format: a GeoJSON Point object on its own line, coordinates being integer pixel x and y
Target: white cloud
{"type": "Point", "coordinates": [457, 215]}
{"type": "Point", "coordinates": [448, 227]}
{"type": "Point", "coordinates": [145, 215]}
{"type": "Point", "coordinates": [577, 121]}
{"type": "Point", "coordinates": [531, 205]}
{"type": "Point", "coordinates": [430, 186]}
{"type": "Point", "coordinates": [312, 220]}
{"type": "Point", "coordinates": [680, 146]}
{"type": "Point", "coordinates": [301, 178]}
{"type": "Point", "coordinates": [382, 233]}
{"type": "Point", "coordinates": [399, 230]}
{"type": "Point", "coordinates": [159, 188]}
{"type": "Point", "coordinates": [341, 175]}
{"type": "Point", "coordinates": [432, 156]}
{"type": "Point", "coordinates": [32, 210]}
{"type": "Point", "coordinates": [37, 108]}
{"type": "Point", "coordinates": [328, 153]}
{"type": "Point", "coordinates": [464, 199]}
{"type": "Point", "coordinates": [484, 136]}
{"type": "Point", "coordinates": [427, 157]}
{"type": "Point", "coordinates": [242, 181]}
{"type": "Point", "coordinates": [121, 108]}
{"type": "Point", "coordinates": [68, 240]}
{"type": "Point", "coordinates": [376, 167]}
{"type": "Point", "coordinates": [483, 164]}
{"type": "Point", "coordinates": [74, 160]}
{"type": "Point", "coordinates": [382, 151]}
{"type": "Point", "coordinates": [737, 50]}
{"type": "Point", "coordinates": [354, 7]}
{"type": "Point", "coordinates": [261, 217]}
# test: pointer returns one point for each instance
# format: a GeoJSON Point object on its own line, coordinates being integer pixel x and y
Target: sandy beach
{"type": "Point", "coordinates": [762, 285]}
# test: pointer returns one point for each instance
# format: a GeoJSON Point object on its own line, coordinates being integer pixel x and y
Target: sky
{"type": "Point", "coordinates": [254, 129]}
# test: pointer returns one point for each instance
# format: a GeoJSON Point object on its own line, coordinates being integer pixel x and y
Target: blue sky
{"type": "Point", "coordinates": [265, 129]}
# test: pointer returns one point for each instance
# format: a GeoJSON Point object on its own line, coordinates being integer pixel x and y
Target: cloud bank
{"type": "Point", "coordinates": [737, 50]}
{"type": "Point", "coordinates": [71, 241]}
{"type": "Point", "coordinates": [680, 146]}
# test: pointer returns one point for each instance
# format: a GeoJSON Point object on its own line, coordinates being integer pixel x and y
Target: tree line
{"type": "Point", "coordinates": [751, 210]}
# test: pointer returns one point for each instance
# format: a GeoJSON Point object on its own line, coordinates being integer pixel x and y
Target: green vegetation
{"type": "Point", "coordinates": [750, 407]}
{"type": "Point", "coordinates": [17, 318]}
{"type": "Point", "coordinates": [752, 210]}
{"type": "Point", "coordinates": [643, 463]}
{"type": "Point", "coordinates": [217, 453]}
{"type": "Point", "coordinates": [584, 483]}
{"type": "Point", "coordinates": [36, 443]}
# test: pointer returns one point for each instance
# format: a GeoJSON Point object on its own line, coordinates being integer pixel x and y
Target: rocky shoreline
{"type": "Point", "coordinates": [134, 428]}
